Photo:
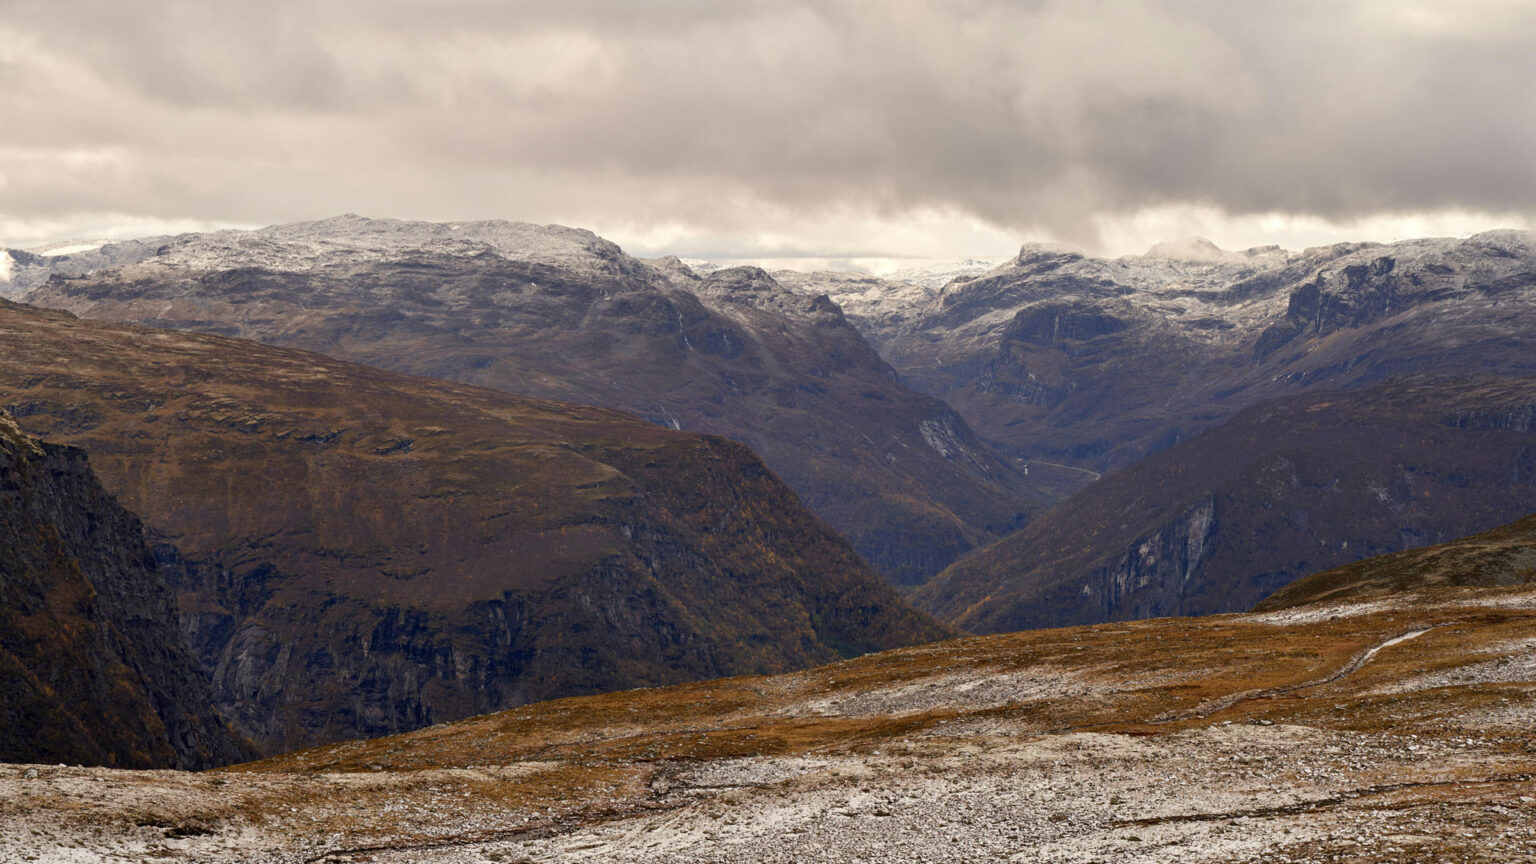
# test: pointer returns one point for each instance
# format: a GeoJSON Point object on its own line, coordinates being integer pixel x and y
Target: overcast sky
{"type": "Point", "coordinates": [839, 129]}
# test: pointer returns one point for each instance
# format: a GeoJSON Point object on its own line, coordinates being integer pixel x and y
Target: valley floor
{"type": "Point", "coordinates": [1396, 731]}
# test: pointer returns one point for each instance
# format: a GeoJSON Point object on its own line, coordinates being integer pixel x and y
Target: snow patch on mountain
{"type": "Point", "coordinates": [703, 267]}
{"type": "Point", "coordinates": [355, 240]}
{"type": "Point", "coordinates": [7, 266]}
{"type": "Point", "coordinates": [872, 303]}
{"type": "Point", "coordinates": [71, 247]}
{"type": "Point", "coordinates": [328, 244]}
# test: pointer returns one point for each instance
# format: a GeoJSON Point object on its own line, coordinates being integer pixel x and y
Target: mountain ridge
{"type": "Point", "coordinates": [1097, 362]}
{"type": "Point", "coordinates": [570, 316]}
{"type": "Point", "coordinates": [1501, 556]}
{"type": "Point", "coordinates": [366, 552]}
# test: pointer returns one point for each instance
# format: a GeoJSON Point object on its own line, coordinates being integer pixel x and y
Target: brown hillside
{"type": "Point", "coordinates": [368, 552]}
{"type": "Point", "coordinates": [1287, 488]}
{"type": "Point", "coordinates": [563, 314]}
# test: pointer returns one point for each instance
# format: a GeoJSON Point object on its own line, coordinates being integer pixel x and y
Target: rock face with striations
{"type": "Point", "coordinates": [563, 314]}
{"type": "Point", "coordinates": [367, 552]}
{"type": "Point", "coordinates": [93, 669]}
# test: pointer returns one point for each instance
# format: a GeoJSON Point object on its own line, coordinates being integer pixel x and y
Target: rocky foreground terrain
{"type": "Point", "coordinates": [1390, 730]}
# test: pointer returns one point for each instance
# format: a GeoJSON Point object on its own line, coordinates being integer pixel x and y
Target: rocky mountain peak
{"type": "Point", "coordinates": [674, 269]}
{"type": "Point", "coordinates": [1513, 241]}
{"type": "Point", "coordinates": [753, 287]}
{"type": "Point", "coordinates": [1034, 254]}
{"type": "Point", "coordinates": [740, 280]}
{"type": "Point", "coordinates": [746, 285]}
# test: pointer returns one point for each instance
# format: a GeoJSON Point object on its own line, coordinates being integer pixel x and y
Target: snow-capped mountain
{"type": "Point", "coordinates": [342, 241]}
{"type": "Point", "coordinates": [1136, 348]}
{"type": "Point", "coordinates": [563, 314]}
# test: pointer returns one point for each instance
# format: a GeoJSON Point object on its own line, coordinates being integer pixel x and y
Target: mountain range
{"type": "Point", "coordinates": [563, 314]}
{"type": "Point", "coordinates": [1098, 362]}
{"type": "Point", "coordinates": [1256, 415]}
{"type": "Point", "coordinates": [367, 549]}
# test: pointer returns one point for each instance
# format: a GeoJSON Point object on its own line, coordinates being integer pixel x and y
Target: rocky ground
{"type": "Point", "coordinates": [1391, 731]}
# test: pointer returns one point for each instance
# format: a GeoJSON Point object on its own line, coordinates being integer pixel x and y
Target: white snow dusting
{"type": "Point", "coordinates": [70, 248]}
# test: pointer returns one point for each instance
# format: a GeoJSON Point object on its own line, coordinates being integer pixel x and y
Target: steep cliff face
{"type": "Point", "coordinates": [562, 314]}
{"type": "Point", "coordinates": [1153, 577]}
{"type": "Point", "coordinates": [1287, 488]}
{"type": "Point", "coordinates": [367, 552]}
{"type": "Point", "coordinates": [93, 669]}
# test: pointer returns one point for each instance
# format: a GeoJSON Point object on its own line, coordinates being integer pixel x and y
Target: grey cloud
{"type": "Point", "coordinates": [1035, 116]}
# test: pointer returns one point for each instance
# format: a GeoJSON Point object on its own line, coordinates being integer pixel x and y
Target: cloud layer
{"type": "Point", "coordinates": [770, 124]}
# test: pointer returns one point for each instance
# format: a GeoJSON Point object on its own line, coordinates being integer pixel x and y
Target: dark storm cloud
{"type": "Point", "coordinates": [1032, 116]}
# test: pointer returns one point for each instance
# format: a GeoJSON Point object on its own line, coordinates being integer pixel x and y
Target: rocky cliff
{"type": "Point", "coordinates": [93, 669]}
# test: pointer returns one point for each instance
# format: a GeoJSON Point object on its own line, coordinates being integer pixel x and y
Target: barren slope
{"type": "Point", "coordinates": [93, 668]}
